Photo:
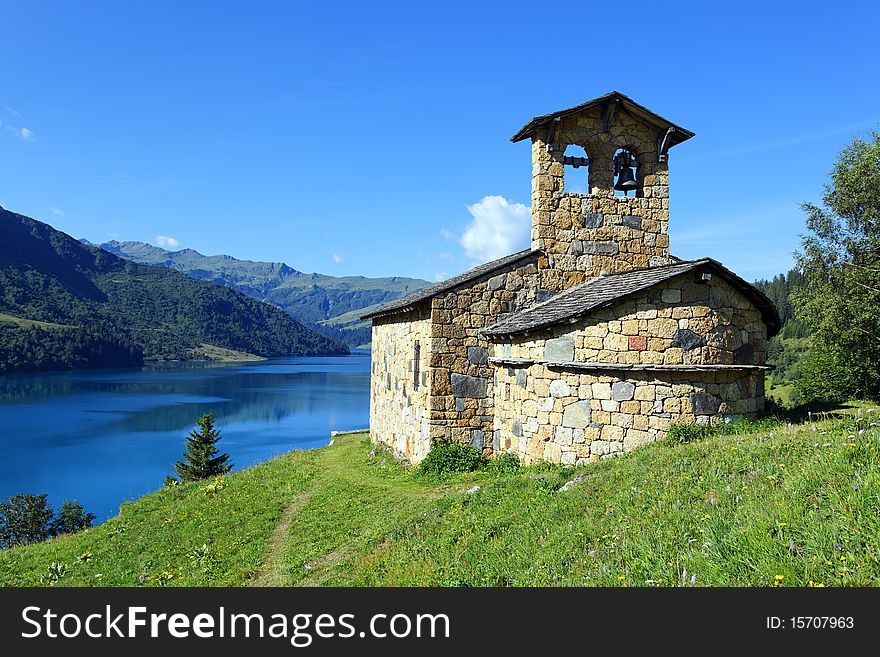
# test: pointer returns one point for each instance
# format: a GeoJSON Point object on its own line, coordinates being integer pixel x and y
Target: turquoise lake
{"type": "Point", "coordinates": [105, 436]}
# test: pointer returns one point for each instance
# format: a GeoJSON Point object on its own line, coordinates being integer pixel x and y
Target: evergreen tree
{"type": "Point", "coordinates": [200, 460]}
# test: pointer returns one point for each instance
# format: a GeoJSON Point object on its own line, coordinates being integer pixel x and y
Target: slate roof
{"type": "Point", "coordinates": [607, 290]}
{"type": "Point", "coordinates": [426, 293]}
{"type": "Point", "coordinates": [679, 134]}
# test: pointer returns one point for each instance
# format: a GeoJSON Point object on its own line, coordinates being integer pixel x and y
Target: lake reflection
{"type": "Point", "coordinates": [105, 436]}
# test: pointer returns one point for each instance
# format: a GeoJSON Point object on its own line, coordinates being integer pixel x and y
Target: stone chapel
{"type": "Point", "coordinates": [593, 341]}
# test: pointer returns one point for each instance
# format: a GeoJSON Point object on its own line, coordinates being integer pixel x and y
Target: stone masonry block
{"type": "Point", "coordinates": [592, 220]}
{"type": "Point", "coordinates": [671, 296]}
{"type": "Point", "coordinates": [577, 415]}
{"type": "Point", "coordinates": [602, 390]}
{"type": "Point", "coordinates": [687, 339]}
{"type": "Point", "coordinates": [704, 403]}
{"type": "Point", "coordinates": [477, 356]}
{"type": "Point", "coordinates": [497, 282]}
{"type": "Point", "coordinates": [601, 248]}
{"type": "Point", "coordinates": [478, 439]}
{"type": "Point", "coordinates": [559, 388]}
{"type": "Point", "coordinates": [622, 391]}
{"type": "Point", "coordinates": [638, 342]}
{"type": "Point", "coordinates": [468, 386]}
{"type": "Point", "coordinates": [559, 349]}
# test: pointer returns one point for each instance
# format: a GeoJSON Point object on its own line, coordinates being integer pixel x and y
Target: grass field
{"type": "Point", "coordinates": [770, 505]}
{"type": "Point", "coordinates": [28, 323]}
{"type": "Point", "coordinates": [213, 352]}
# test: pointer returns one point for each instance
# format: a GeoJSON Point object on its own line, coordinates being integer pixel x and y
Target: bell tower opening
{"type": "Point", "coordinates": [626, 172]}
{"type": "Point", "coordinates": [576, 173]}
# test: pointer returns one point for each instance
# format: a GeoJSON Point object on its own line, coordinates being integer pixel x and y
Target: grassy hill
{"type": "Point", "coordinates": [767, 505]}
{"type": "Point", "coordinates": [64, 304]}
{"type": "Point", "coordinates": [332, 305]}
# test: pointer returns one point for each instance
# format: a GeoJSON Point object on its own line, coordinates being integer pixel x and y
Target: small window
{"type": "Point", "coordinates": [416, 353]}
{"type": "Point", "coordinates": [625, 173]}
{"type": "Point", "coordinates": [577, 170]}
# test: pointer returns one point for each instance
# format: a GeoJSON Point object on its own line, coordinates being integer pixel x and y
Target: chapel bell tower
{"type": "Point", "coordinates": [600, 189]}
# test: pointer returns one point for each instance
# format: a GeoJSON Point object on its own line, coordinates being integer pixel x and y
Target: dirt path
{"type": "Point", "coordinates": [271, 572]}
{"type": "Point", "coordinates": [363, 502]}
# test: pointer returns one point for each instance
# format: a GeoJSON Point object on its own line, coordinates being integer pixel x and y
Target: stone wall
{"type": "Point", "coordinates": [462, 399]}
{"type": "Point", "coordinates": [400, 384]}
{"type": "Point", "coordinates": [585, 234]}
{"type": "Point", "coordinates": [679, 352]}
{"type": "Point", "coordinates": [567, 416]}
{"type": "Point", "coordinates": [680, 322]}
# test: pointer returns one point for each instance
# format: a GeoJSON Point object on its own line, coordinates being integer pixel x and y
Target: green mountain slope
{"type": "Point", "coordinates": [771, 505]}
{"type": "Point", "coordinates": [116, 312]}
{"type": "Point", "coordinates": [314, 299]}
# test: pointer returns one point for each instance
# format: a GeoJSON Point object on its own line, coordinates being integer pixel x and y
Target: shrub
{"type": "Point", "coordinates": [216, 486]}
{"type": "Point", "coordinates": [55, 571]}
{"type": "Point", "coordinates": [824, 377]}
{"type": "Point", "coordinates": [24, 519]}
{"type": "Point", "coordinates": [70, 517]}
{"type": "Point", "coordinates": [685, 433]}
{"type": "Point", "coordinates": [448, 457]}
{"type": "Point", "coordinates": [505, 463]}
{"type": "Point", "coordinates": [27, 518]}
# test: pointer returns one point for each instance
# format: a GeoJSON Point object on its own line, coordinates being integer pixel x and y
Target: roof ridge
{"type": "Point", "coordinates": [500, 327]}
{"type": "Point", "coordinates": [595, 279]}
{"type": "Point", "coordinates": [431, 291]}
{"type": "Point", "coordinates": [647, 115]}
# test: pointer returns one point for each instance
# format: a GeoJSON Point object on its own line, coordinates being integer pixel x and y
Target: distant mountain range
{"type": "Point", "coordinates": [330, 305]}
{"type": "Point", "coordinates": [64, 304]}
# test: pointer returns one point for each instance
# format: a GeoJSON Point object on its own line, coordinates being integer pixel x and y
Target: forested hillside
{"type": "Point", "coordinates": [66, 304]}
{"type": "Point", "coordinates": [786, 350]}
{"type": "Point", "coordinates": [330, 305]}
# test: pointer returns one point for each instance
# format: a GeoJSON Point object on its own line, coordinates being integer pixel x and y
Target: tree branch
{"type": "Point", "coordinates": [868, 333]}
{"type": "Point", "coordinates": [867, 287]}
{"type": "Point", "coordinates": [852, 264]}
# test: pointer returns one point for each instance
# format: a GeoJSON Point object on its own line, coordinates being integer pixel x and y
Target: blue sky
{"type": "Point", "coordinates": [373, 138]}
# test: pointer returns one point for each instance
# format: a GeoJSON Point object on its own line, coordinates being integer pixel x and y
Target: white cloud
{"type": "Point", "coordinates": [499, 228]}
{"type": "Point", "coordinates": [440, 276]}
{"type": "Point", "coordinates": [337, 259]}
{"type": "Point", "coordinates": [13, 111]}
{"type": "Point", "coordinates": [58, 212]}
{"type": "Point", "coordinates": [167, 242]}
{"type": "Point", "coordinates": [22, 133]}
{"type": "Point", "coordinates": [447, 234]}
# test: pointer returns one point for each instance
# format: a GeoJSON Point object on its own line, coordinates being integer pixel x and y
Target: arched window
{"type": "Point", "coordinates": [626, 178]}
{"type": "Point", "coordinates": [577, 170]}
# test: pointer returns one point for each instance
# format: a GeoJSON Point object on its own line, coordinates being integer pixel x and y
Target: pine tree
{"type": "Point", "coordinates": [200, 460]}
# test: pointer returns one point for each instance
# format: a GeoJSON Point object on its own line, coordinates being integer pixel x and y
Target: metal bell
{"type": "Point", "coordinates": [626, 181]}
